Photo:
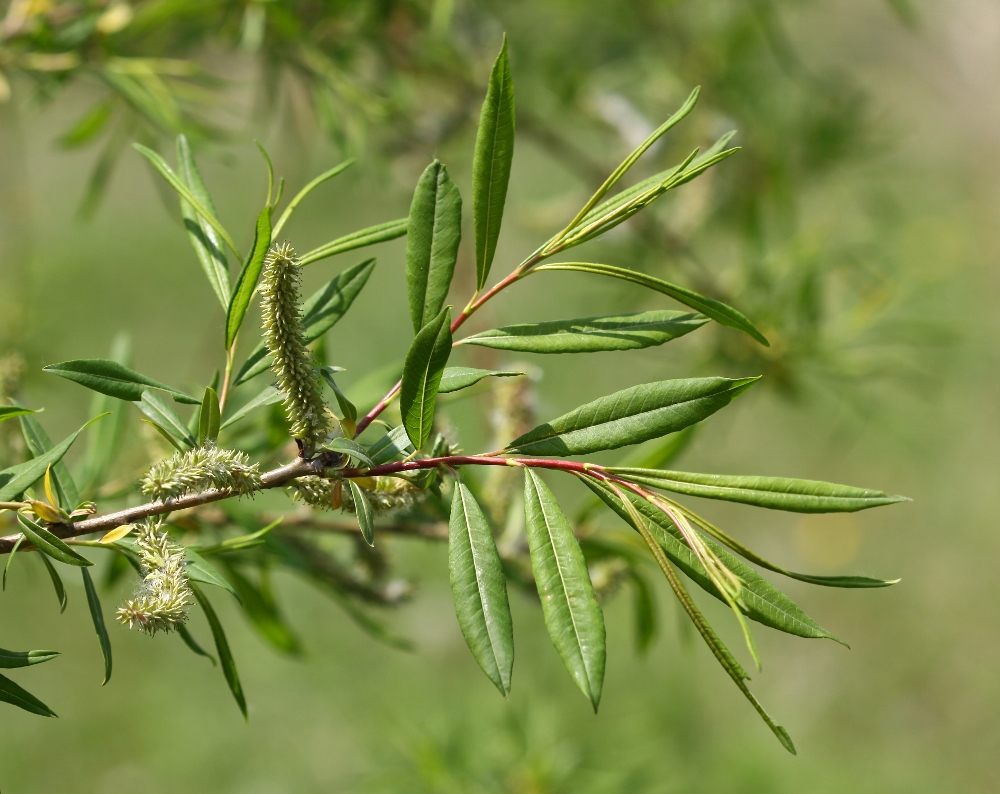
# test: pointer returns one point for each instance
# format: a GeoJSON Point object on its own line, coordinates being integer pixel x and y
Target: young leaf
{"type": "Point", "coordinates": [49, 544]}
{"type": "Point", "coordinates": [432, 241]}
{"type": "Point", "coordinates": [380, 233]}
{"type": "Point", "coordinates": [117, 533]}
{"type": "Point", "coordinates": [192, 643]}
{"type": "Point", "coordinates": [240, 543]}
{"type": "Point", "coordinates": [391, 447]}
{"type": "Point", "coordinates": [208, 420]}
{"type": "Point", "coordinates": [366, 516]}
{"type": "Point", "coordinates": [114, 379]}
{"type": "Point", "coordinates": [456, 378]}
{"type": "Point", "coordinates": [16, 696]}
{"type": "Point", "coordinates": [422, 372]}
{"type": "Point", "coordinates": [269, 396]}
{"type": "Point", "coordinates": [320, 313]}
{"type": "Point", "coordinates": [352, 448]}
{"type": "Point", "coordinates": [776, 493]}
{"type": "Point", "coordinates": [711, 308]}
{"type": "Point", "coordinates": [479, 589]}
{"type": "Point", "coordinates": [572, 615]}
{"type": "Point", "coordinates": [98, 616]}
{"type": "Point", "coordinates": [348, 411]}
{"type": "Point", "coordinates": [66, 494]}
{"type": "Point", "coordinates": [15, 479]}
{"type": "Point", "coordinates": [491, 163]}
{"type": "Point", "coordinates": [165, 418]}
{"type": "Point", "coordinates": [10, 411]}
{"type": "Point", "coordinates": [10, 559]}
{"type": "Point", "coordinates": [57, 582]}
{"type": "Point", "coordinates": [208, 245]}
{"type": "Point", "coordinates": [198, 569]}
{"type": "Point", "coordinates": [337, 169]}
{"type": "Point", "coordinates": [12, 659]}
{"type": "Point", "coordinates": [222, 648]}
{"type": "Point", "coordinates": [247, 281]}
{"type": "Point", "coordinates": [590, 334]}
{"type": "Point", "coordinates": [631, 416]}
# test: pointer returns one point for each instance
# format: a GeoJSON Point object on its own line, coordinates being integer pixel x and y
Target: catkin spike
{"type": "Point", "coordinates": [199, 469]}
{"type": "Point", "coordinates": [162, 599]}
{"type": "Point", "coordinates": [293, 363]}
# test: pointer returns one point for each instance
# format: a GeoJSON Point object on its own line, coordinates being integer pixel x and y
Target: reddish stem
{"type": "Point", "coordinates": [476, 460]}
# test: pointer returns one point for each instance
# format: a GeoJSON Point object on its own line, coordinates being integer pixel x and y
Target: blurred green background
{"type": "Point", "coordinates": [870, 164]}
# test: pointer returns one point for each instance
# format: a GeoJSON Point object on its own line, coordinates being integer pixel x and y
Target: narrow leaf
{"type": "Point", "coordinates": [222, 648]}
{"type": "Point", "coordinates": [16, 696]}
{"type": "Point", "coordinates": [192, 643]}
{"type": "Point", "coordinates": [10, 559]}
{"type": "Point", "coordinates": [479, 589]}
{"type": "Point", "coordinates": [198, 569]}
{"type": "Point", "coordinates": [162, 415]}
{"type": "Point", "coordinates": [49, 544]}
{"type": "Point", "coordinates": [114, 379]}
{"type": "Point", "coordinates": [12, 659]}
{"type": "Point", "coordinates": [711, 308]}
{"type": "Point", "coordinates": [337, 169]}
{"type": "Point", "coordinates": [491, 163]}
{"type": "Point", "coordinates": [269, 396]}
{"type": "Point", "coordinates": [352, 448]}
{"type": "Point", "coordinates": [208, 419]}
{"type": "Point", "coordinates": [117, 533]}
{"type": "Point", "coordinates": [590, 334]}
{"type": "Point", "coordinates": [366, 515]}
{"type": "Point", "coordinates": [61, 489]}
{"type": "Point", "coordinates": [57, 582]}
{"type": "Point", "coordinates": [391, 447]}
{"type": "Point", "coordinates": [262, 611]}
{"type": "Point", "coordinates": [11, 411]}
{"type": "Point", "coordinates": [380, 233]}
{"type": "Point", "coordinates": [422, 371]}
{"type": "Point", "coordinates": [98, 616]}
{"type": "Point", "coordinates": [247, 281]}
{"type": "Point", "coordinates": [572, 615]}
{"type": "Point", "coordinates": [631, 416]}
{"type": "Point", "coordinates": [456, 378]}
{"type": "Point", "coordinates": [432, 241]}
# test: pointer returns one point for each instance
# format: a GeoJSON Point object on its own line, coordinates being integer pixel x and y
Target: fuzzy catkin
{"type": "Point", "coordinates": [292, 363]}
{"type": "Point", "coordinates": [162, 599]}
{"type": "Point", "coordinates": [199, 469]}
{"type": "Point", "coordinates": [389, 493]}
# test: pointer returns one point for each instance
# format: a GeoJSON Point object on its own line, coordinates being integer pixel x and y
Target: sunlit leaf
{"type": "Point", "coordinates": [117, 533]}
{"type": "Point", "coordinates": [226, 660]}
{"type": "Point", "coordinates": [208, 418]}
{"type": "Point", "coordinates": [392, 446]}
{"type": "Point", "coordinates": [12, 659]}
{"type": "Point", "coordinates": [269, 396]}
{"type": "Point", "coordinates": [49, 544]}
{"type": "Point", "coordinates": [11, 411]}
{"type": "Point", "coordinates": [456, 378]}
{"type": "Point", "coordinates": [365, 513]}
{"type": "Point", "coordinates": [98, 617]}
{"type": "Point", "coordinates": [337, 169]}
{"type": "Point", "coordinates": [114, 379]}
{"type": "Point", "coordinates": [247, 281]}
{"type": "Point", "coordinates": [16, 696]}
{"type": "Point", "coordinates": [379, 233]}
{"type": "Point", "coordinates": [352, 448]}
{"type": "Point", "coordinates": [198, 569]}
{"type": "Point", "coordinates": [422, 371]}
{"type": "Point", "coordinates": [162, 414]}
{"type": "Point", "coordinates": [62, 490]}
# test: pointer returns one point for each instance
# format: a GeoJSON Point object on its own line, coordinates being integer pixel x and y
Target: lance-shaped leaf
{"type": "Point", "coordinates": [365, 513]}
{"type": "Point", "coordinates": [209, 418]}
{"type": "Point", "coordinates": [776, 493]}
{"type": "Point", "coordinates": [11, 411]}
{"type": "Point", "coordinates": [262, 611]}
{"type": "Point", "coordinates": [337, 169]}
{"type": "Point", "coordinates": [208, 245]}
{"type": "Point", "coordinates": [269, 396]}
{"type": "Point", "coordinates": [380, 233]}
{"type": "Point", "coordinates": [456, 378]}
{"type": "Point", "coordinates": [22, 698]}
{"type": "Point", "coordinates": [432, 241]}
{"type": "Point", "coordinates": [350, 447]}
{"type": "Point", "coordinates": [49, 544]}
{"type": "Point", "coordinates": [10, 559]}
{"type": "Point", "coordinates": [479, 589]}
{"type": "Point", "coordinates": [759, 600]}
{"type": "Point", "coordinates": [631, 416]}
{"type": "Point", "coordinates": [226, 660]}
{"type": "Point", "coordinates": [57, 582]}
{"type": "Point", "coordinates": [162, 415]}
{"type": "Point", "coordinates": [320, 313]}
{"type": "Point", "coordinates": [198, 569]}
{"type": "Point", "coordinates": [422, 371]}
{"type": "Point", "coordinates": [590, 334]}
{"type": "Point", "coordinates": [12, 659]}
{"type": "Point", "coordinates": [247, 281]}
{"type": "Point", "coordinates": [572, 615]}
{"type": "Point", "coordinates": [15, 479]}
{"type": "Point", "coordinates": [391, 447]}
{"type": "Point", "coordinates": [98, 617]}
{"type": "Point", "coordinates": [38, 442]}
{"type": "Point", "coordinates": [104, 442]}
{"type": "Point", "coordinates": [192, 643]}
{"type": "Point", "coordinates": [114, 379]}
{"type": "Point", "coordinates": [491, 163]}
{"type": "Point", "coordinates": [711, 308]}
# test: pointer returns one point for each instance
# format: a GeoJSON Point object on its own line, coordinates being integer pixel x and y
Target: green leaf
{"type": "Point", "coordinates": [269, 396]}
{"type": "Point", "coordinates": [479, 589]}
{"type": "Point", "coordinates": [352, 448]}
{"type": "Point", "coordinates": [10, 411]}
{"type": "Point", "coordinates": [259, 606]}
{"type": "Point", "coordinates": [103, 443]}
{"type": "Point", "coordinates": [380, 233]}
{"type": "Point", "coordinates": [208, 245]}
{"type": "Point", "coordinates": [422, 370]}
{"type": "Point", "coordinates": [776, 493]}
{"type": "Point", "coordinates": [713, 309]}
{"type": "Point", "coordinates": [198, 569]}
{"type": "Point", "coordinates": [348, 411]}
{"type": "Point", "coordinates": [15, 479]}
{"type": "Point", "coordinates": [590, 334]}
{"type": "Point", "coordinates": [366, 516]}
{"type": "Point", "coordinates": [10, 559]}
{"type": "Point", "coordinates": [114, 379]}
{"type": "Point", "coordinates": [456, 378]}
{"type": "Point", "coordinates": [49, 544]}
{"type": "Point", "coordinates": [187, 194]}
{"type": "Point", "coordinates": [90, 125]}
{"type": "Point", "coordinates": [192, 643]}
{"type": "Point", "coordinates": [247, 281]}
{"type": "Point", "coordinates": [320, 313]}
{"type": "Point", "coordinates": [208, 419]}
{"type": "Point", "coordinates": [16, 696]}
{"type": "Point", "coordinates": [393, 446]}
{"type": "Point", "coordinates": [162, 415]}
{"type": "Point", "coordinates": [572, 615]}
{"type": "Point", "coordinates": [270, 171]}
{"type": "Point", "coordinates": [631, 416]}
{"type": "Point", "coordinates": [222, 648]}
{"type": "Point", "coordinates": [98, 616]}
{"type": "Point", "coordinates": [12, 659]}
{"type": "Point", "coordinates": [57, 582]}
{"type": "Point", "coordinates": [38, 443]}
{"type": "Point", "coordinates": [337, 169]}
{"type": "Point", "coordinates": [644, 609]}
{"type": "Point", "coordinates": [432, 241]}
{"type": "Point", "coordinates": [491, 163]}
{"type": "Point", "coordinates": [239, 543]}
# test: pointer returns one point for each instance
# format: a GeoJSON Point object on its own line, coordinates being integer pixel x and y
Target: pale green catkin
{"type": "Point", "coordinates": [293, 363]}
{"type": "Point", "coordinates": [389, 493]}
{"type": "Point", "coordinates": [200, 469]}
{"type": "Point", "coordinates": [162, 599]}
